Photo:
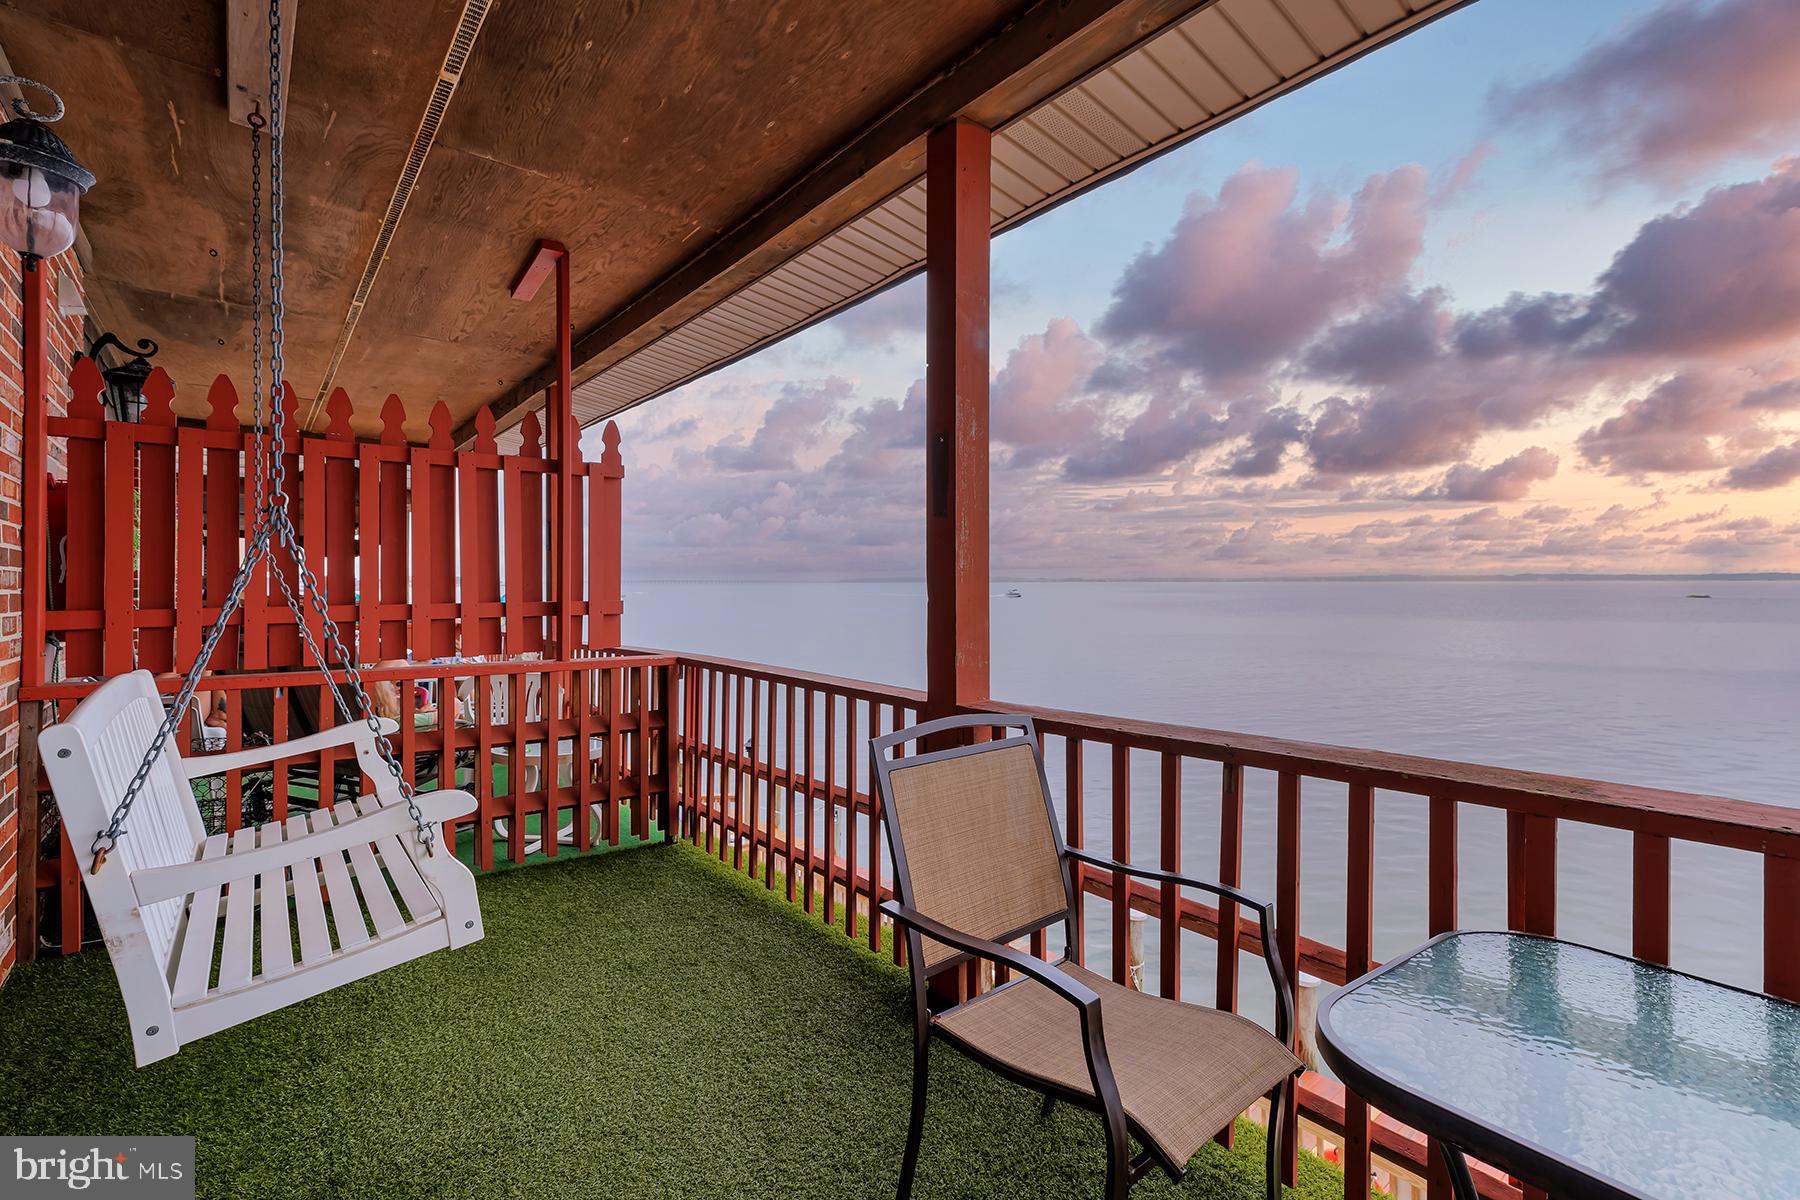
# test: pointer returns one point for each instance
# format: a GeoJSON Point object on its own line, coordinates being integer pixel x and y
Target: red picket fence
{"type": "Point", "coordinates": [773, 770]}
{"type": "Point", "coordinates": [422, 552]}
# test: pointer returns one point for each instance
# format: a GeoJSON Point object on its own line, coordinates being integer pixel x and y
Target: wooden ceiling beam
{"type": "Point", "coordinates": [1047, 46]}
{"type": "Point", "coordinates": [247, 56]}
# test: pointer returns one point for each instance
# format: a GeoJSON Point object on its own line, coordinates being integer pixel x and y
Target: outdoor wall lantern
{"type": "Point", "coordinates": [124, 395]}
{"type": "Point", "coordinates": [40, 181]}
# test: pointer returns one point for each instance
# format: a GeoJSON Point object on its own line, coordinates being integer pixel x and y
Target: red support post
{"type": "Point", "coordinates": [561, 438]}
{"type": "Point", "coordinates": [957, 165]}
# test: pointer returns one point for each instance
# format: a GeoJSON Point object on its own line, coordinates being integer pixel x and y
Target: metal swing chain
{"type": "Point", "coordinates": [273, 520]}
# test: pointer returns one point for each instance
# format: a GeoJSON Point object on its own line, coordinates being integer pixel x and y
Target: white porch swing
{"type": "Point", "coordinates": [171, 900]}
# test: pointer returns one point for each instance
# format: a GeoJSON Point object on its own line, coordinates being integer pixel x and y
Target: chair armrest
{"type": "Point", "coordinates": [1060, 982]}
{"type": "Point", "coordinates": [1083, 997]}
{"type": "Point", "coordinates": [1265, 916]}
{"type": "Point", "coordinates": [1224, 890]}
{"type": "Point", "coordinates": [357, 733]}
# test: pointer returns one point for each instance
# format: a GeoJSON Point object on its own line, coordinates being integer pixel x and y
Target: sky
{"type": "Point", "coordinates": [1519, 293]}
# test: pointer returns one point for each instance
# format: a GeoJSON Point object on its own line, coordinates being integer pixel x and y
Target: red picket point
{"type": "Point", "coordinates": [338, 408]}
{"type": "Point", "coordinates": [609, 438]}
{"type": "Point", "coordinates": [532, 435]}
{"type": "Point", "coordinates": [440, 427]}
{"type": "Point", "coordinates": [393, 422]}
{"type": "Point", "coordinates": [222, 399]}
{"type": "Point", "coordinates": [159, 392]}
{"type": "Point", "coordinates": [484, 430]}
{"type": "Point", "coordinates": [85, 384]}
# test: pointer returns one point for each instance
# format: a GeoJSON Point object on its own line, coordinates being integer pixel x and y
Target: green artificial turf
{"type": "Point", "coordinates": [638, 1025]}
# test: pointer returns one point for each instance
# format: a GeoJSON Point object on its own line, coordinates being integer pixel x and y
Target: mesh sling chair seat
{"type": "Point", "coordinates": [979, 863]}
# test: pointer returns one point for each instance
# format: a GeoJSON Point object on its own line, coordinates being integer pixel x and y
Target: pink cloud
{"type": "Point", "coordinates": [1777, 468]}
{"type": "Point", "coordinates": [1034, 403]}
{"type": "Point", "coordinates": [1507, 480]}
{"type": "Point", "coordinates": [793, 423]}
{"type": "Point", "coordinates": [1249, 277]}
{"type": "Point", "coordinates": [1690, 85]}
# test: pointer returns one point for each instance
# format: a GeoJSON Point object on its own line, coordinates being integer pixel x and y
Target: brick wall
{"type": "Point", "coordinates": [65, 336]}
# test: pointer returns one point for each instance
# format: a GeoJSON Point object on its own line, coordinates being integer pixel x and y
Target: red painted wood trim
{"type": "Point", "coordinates": [1440, 869]}
{"type": "Point", "coordinates": [1073, 820]}
{"type": "Point", "coordinates": [1359, 925]}
{"type": "Point", "coordinates": [35, 550]}
{"type": "Point", "coordinates": [1170, 931]}
{"type": "Point", "coordinates": [119, 655]}
{"type": "Point", "coordinates": [1287, 936]}
{"type": "Point", "coordinates": [1650, 897]}
{"type": "Point", "coordinates": [1121, 851]}
{"type": "Point", "coordinates": [1781, 926]}
{"type": "Point", "coordinates": [190, 540]}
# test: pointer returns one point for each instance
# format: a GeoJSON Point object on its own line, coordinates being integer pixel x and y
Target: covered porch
{"type": "Point", "coordinates": [698, 1038]}
{"type": "Point", "coordinates": [518, 263]}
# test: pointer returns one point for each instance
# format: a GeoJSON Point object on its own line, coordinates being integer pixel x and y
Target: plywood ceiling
{"type": "Point", "coordinates": [632, 132]}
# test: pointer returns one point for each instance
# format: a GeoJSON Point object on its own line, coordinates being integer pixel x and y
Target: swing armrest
{"type": "Point", "coordinates": [357, 733]}
{"type": "Point", "coordinates": [184, 879]}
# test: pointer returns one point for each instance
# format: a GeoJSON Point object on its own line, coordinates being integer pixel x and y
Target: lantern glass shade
{"type": "Point", "coordinates": [39, 209]}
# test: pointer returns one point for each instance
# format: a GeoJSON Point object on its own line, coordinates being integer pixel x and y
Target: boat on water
{"type": "Point", "coordinates": [1699, 595]}
{"type": "Point", "coordinates": [1015, 593]}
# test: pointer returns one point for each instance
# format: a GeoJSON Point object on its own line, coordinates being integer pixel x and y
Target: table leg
{"type": "Point", "coordinates": [1462, 1185]}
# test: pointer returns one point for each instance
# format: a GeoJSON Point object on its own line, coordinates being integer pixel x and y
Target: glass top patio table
{"type": "Point", "coordinates": [1586, 1073]}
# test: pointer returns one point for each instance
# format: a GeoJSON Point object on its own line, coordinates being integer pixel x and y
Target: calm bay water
{"type": "Point", "coordinates": [1626, 681]}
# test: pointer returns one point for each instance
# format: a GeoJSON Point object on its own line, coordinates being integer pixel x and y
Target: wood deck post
{"type": "Point", "coordinates": [956, 416]}
{"type": "Point", "coordinates": [561, 438]}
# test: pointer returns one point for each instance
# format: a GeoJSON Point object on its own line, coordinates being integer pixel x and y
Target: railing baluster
{"type": "Point", "coordinates": [1650, 897]}
{"type": "Point", "coordinates": [1781, 926]}
{"type": "Point", "coordinates": [1121, 851]}
{"type": "Point", "coordinates": [806, 879]}
{"type": "Point", "coordinates": [852, 743]}
{"type": "Point", "coordinates": [1287, 937]}
{"type": "Point", "coordinates": [759, 749]}
{"type": "Point", "coordinates": [716, 770]}
{"type": "Point", "coordinates": [831, 790]}
{"type": "Point", "coordinates": [1440, 867]}
{"type": "Point", "coordinates": [1072, 819]}
{"type": "Point", "coordinates": [1170, 922]}
{"type": "Point", "coordinates": [1441, 917]}
{"type": "Point", "coordinates": [1231, 871]}
{"type": "Point", "coordinates": [1038, 943]}
{"type": "Point", "coordinates": [874, 831]}
{"type": "Point", "coordinates": [1531, 889]}
{"type": "Point", "coordinates": [279, 769]}
{"type": "Point", "coordinates": [740, 742]}
{"type": "Point", "coordinates": [1359, 924]}
{"type": "Point", "coordinates": [791, 797]}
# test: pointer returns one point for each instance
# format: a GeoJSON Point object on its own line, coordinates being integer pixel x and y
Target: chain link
{"type": "Point", "coordinates": [274, 523]}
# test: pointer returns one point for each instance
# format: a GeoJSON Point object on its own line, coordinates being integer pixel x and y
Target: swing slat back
{"type": "Point", "coordinates": [91, 758]}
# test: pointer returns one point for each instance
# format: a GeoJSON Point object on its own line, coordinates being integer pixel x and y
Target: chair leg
{"type": "Point", "coordinates": [1049, 1106]}
{"type": "Point", "coordinates": [1277, 1124]}
{"type": "Point", "coordinates": [1118, 1160]}
{"type": "Point", "coordinates": [915, 1128]}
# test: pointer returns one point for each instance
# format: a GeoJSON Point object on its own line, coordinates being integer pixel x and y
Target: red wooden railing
{"type": "Point", "coordinates": [607, 715]}
{"type": "Point", "coordinates": [772, 768]}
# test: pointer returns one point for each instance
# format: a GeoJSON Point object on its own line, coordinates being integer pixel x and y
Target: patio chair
{"type": "Point", "coordinates": [979, 863]}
